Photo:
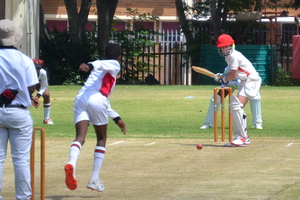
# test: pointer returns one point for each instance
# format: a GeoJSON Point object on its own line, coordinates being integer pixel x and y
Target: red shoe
{"type": "Point", "coordinates": [71, 182]}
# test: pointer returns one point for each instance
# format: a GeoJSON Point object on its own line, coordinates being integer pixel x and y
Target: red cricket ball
{"type": "Point", "coordinates": [199, 146]}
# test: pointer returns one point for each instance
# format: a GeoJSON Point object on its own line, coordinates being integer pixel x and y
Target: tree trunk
{"type": "Point", "coordinates": [184, 23]}
{"type": "Point", "coordinates": [77, 21]}
{"type": "Point", "coordinates": [44, 30]}
{"type": "Point", "coordinates": [190, 40]}
{"type": "Point", "coordinates": [84, 13]}
{"type": "Point", "coordinates": [215, 19]}
{"type": "Point", "coordinates": [106, 11]}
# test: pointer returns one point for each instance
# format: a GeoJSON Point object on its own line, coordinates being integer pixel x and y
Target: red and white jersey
{"type": "Point", "coordinates": [237, 61]}
{"type": "Point", "coordinates": [43, 80]}
{"type": "Point", "coordinates": [103, 77]}
{"type": "Point", "coordinates": [17, 72]}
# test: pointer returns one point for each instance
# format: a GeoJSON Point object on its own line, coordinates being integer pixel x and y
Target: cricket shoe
{"type": "Point", "coordinates": [48, 121]}
{"type": "Point", "coordinates": [247, 140]}
{"type": "Point", "coordinates": [239, 141]}
{"type": "Point", "coordinates": [71, 181]}
{"type": "Point", "coordinates": [233, 145]}
{"type": "Point", "coordinates": [258, 126]}
{"type": "Point", "coordinates": [206, 126]}
{"type": "Point", "coordinates": [95, 185]}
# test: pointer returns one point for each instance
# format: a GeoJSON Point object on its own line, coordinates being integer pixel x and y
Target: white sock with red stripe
{"type": "Point", "coordinates": [98, 159]}
{"type": "Point", "coordinates": [47, 110]}
{"type": "Point", "coordinates": [74, 152]}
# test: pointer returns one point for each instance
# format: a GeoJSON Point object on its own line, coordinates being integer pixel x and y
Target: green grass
{"type": "Point", "coordinates": [165, 112]}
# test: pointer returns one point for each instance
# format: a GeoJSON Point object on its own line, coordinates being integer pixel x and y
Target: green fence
{"type": "Point", "coordinates": [263, 58]}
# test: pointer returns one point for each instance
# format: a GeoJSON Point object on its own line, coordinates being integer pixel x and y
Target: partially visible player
{"type": "Point", "coordinates": [240, 68]}
{"type": "Point", "coordinates": [255, 106]}
{"type": "Point", "coordinates": [43, 90]}
{"type": "Point", "coordinates": [18, 79]}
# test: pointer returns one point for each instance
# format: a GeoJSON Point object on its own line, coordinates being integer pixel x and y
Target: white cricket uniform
{"type": "Point", "coordinates": [17, 72]}
{"type": "Point", "coordinates": [237, 61]}
{"type": "Point", "coordinates": [43, 81]}
{"type": "Point", "coordinates": [91, 102]}
{"type": "Point", "coordinates": [254, 104]}
{"type": "Point", "coordinates": [249, 87]}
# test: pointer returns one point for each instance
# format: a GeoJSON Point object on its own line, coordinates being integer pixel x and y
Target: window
{"type": "Point", "coordinates": [119, 26]}
{"type": "Point", "coordinates": [149, 25]}
{"type": "Point", "coordinates": [59, 25]}
{"type": "Point", "coordinates": [90, 25]}
{"type": "Point", "coordinates": [171, 31]}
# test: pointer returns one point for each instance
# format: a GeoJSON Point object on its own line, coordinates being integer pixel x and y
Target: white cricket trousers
{"type": "Point", "coordinates": [16, 126]}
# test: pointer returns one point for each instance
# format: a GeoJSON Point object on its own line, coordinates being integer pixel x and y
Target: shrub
{"type": "Point", "coordinates": [284, 78]}
{"type": "Point", "coordinates": [62, 58]}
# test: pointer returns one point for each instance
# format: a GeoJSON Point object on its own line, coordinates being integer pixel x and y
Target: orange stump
{"type": "Point", "coordinates": [221, 92]}
{"type": "Point", "coordinates": [32, 162]}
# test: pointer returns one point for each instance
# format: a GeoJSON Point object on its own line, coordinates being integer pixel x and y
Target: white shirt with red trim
{"type": "Point", "coordinates": [17, 72]}
{"type": "Point", "coordinates": [103, 77]}
{"type": "Point", "coordinates": [43, 80]}
{"type": "Point", "coordinates": [237, 61]}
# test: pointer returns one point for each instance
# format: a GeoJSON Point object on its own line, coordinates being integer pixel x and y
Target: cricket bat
{"type": "Point", "coordinates": [203, 71]}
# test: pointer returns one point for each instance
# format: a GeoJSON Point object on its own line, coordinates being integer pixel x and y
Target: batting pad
{"type": "Point", "coordinates": [239, 118]}
{"type": "Point", "coordinates": [210, 112]}
{"type": "Point", "coordinates": [255, 106]}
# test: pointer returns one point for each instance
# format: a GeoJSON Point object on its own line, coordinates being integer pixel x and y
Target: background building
{"type": "Point", "coordinates": [279, 25]}
{"type": "Point", "coordinates": [25, 14]}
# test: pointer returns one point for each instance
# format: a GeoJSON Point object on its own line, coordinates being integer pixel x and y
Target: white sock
{"type": "Point", "coordinates": [98, 159]}
{"type": "Point", "coordinates": [74, 152]}
{"type": "Point", "coordinates": [47, 110]}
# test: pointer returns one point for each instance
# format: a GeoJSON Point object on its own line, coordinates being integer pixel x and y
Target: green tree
{"type": "Point", "coordinates": [78, 19]}
{"type": "Point", "coordinates": [136, 40]}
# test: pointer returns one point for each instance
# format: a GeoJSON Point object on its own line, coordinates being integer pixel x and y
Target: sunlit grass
{"type": "Point", "coordinates": [172, 112]}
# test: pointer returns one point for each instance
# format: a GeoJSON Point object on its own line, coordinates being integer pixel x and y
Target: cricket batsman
{"type": "Point", "coordinates": [240, 68]}
{"type": "Point", "coordinates": [255, 106]}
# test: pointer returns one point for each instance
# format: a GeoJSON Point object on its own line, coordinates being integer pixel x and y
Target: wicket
{"type": "Point", "coordinates": [221, 93]}
{"type": "Point", "coordinates": [32, 161]}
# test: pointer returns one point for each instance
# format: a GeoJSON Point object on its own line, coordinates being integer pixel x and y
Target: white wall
{"type": "Point", "coordinates": [25, 14]}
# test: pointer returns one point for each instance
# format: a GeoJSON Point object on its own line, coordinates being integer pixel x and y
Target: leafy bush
{"type": "Point", "coordinates": [284, 78]}
{"type": "Point", "coordinates": [62, 58]}
{"type": "Point", "coordinates": [137, 43]}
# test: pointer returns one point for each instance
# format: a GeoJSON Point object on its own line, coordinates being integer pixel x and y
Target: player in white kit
{"type": "Point", "coordinates": [241, 68]}
{"type": "Point", "coordinates": [43, 90]}
{"type": "Point", "coordinates": [92, 106]}
{"type": "Point", "coordinates": [17, 82]}
{"type": "Point", "coordinates": [255, 106]}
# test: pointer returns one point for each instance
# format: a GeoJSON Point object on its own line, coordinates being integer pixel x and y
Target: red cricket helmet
{"type": "Point", "coordinates": [224, 40]}
{"type": "Point", "coordinates": [38, 63]}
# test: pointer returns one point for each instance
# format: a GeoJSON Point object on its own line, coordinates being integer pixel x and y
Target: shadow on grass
{"type": "Point", "coordinates": [59, 197]}
{"type": "Point", "coordinates": [204, 145]}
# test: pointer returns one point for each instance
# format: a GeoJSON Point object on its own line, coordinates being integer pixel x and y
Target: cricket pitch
{"type": "Point", "coordinates": [171, 169]}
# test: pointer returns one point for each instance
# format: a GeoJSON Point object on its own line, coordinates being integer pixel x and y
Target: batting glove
{"type": "Point", "coordinates": [221, 78]}
{"type": "Point", "coordinates": [218, 77]}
